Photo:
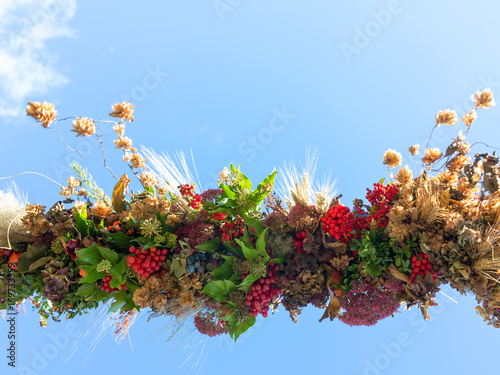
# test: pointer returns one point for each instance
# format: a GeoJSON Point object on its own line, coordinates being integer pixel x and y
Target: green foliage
{"type": "Point", "coordinates": [93, 190]}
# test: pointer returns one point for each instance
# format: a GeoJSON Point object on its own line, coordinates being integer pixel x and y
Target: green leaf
{"type": "Point", "coordinates": [225, 271]}
{"type": "Point", "coordinates": [245, 182]}
{"type": "Point", "coordinates": [216, 290]}
{"type": "Point", "coordinates": [82, 214]}
{"type": "Point", "coordinates": [116, 306]}
{"type": "Point", "coordinates": [92, 275]}
{"type": "Point", "coordinates": [210, 245]}
{"type": "Point", "coordinates": [108, 254]}
{"type": "Point", "coordinates": [253, 223]}
{"type": "Point", "coordinates": [247, 252]}
{"type": "Point", "coordinates": [32, 254]}
{"type": "Point", "coordinates": [228, 192]}
{"type": "Point", "coordinates": [115, 283]}
{"type": "Point", "coordinates": [90, 255]}
{"type": "Point", "coordinates": [40, 262]}
{"type": "Point", "coordinates": [247, 282]}
{"type": "Point", "coordinates": [117, 270]}
{"type": "Point", "coordinates": [239, 328]}
{"type": "Point", "coordinates": [230, 286]}
{"type": "Point", "coordinates": [233, 248]}
{"type": "Point", "coordinates": [85, 290]}
{"type": "Point", "coordinates": [261, 244]}
{"type": "Point", "coordinates": [120, 239]}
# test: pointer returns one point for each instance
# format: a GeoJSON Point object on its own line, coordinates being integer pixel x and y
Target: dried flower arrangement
{"type": "Point", "coordinates": [216, 257]}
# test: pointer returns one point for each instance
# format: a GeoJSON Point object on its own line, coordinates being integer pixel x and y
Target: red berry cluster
{"type": "Point", "coordinates": [262, 292]}
{"type": "Point", "coordinates": [105, 285]}
{"type": "Point", "coordinates": [299, 241]}
{"type": "Point", "coordinates": [187, 191]}
{"type": "Point", "coordinates": [232, 230]}
{"type": "Point", "coordinates": [219, 216]}
{"type": "Point", "coordinates": [146, 262]}
{"type": "Point", "coordinates": [340, 223]}
{"type": "Point", "coordinates": [421, 266]}
{"type": "Point", "coordinates": [380, 198]}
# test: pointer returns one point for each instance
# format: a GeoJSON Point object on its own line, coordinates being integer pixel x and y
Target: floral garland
{"type": "Point", "coordinates": [225, 256]}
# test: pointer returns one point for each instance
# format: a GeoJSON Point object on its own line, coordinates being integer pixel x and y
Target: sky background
{"type": "Point", "coordinates": [258, 83]}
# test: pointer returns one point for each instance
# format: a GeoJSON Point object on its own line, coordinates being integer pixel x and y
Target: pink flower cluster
{"type": "Point", "coordinates": [365, 304]}
{"type": "Point", "coordinates": [303, 218]}
{"type": "Point", "coordinates": [197, 232]}
{"type": "Point", "coordinates": [211, 195]}
{"type": "Point", "coordinates": [209, 324]}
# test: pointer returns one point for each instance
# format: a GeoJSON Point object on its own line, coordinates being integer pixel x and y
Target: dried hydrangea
{"type": "Point", "coordinates": [404, 175]}
{"type": "Point", "coordinates": [392, 158]}
{"type": "Point", "coordinates": [42, 112]}
{"type": "Point", "coordinates": [123, 111]}
{"type": "Point", "coordinates": [101, 210]}
{"type": "Point", "coordinates": [414, 149]}
{"type": "Point", "coordinates": [83, 126]}
{"type": "Point", "coordinates": [147, 179]}
{"type": "Point", "coordinates": [470, 117]}
{"type": "Point", "coordinates": [446, 117]}
{"type": "Point", "coordinates": [135, 160]}
{"type": "Point", "coordinates": [431, 155]}
{"type": "Point", "coordinates": [124, 143]}
{"type": "Point", "coordinates": [483, 99]}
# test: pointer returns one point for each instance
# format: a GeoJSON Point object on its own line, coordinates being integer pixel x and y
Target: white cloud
{"type": "Point", "coordinates": [27, 67]}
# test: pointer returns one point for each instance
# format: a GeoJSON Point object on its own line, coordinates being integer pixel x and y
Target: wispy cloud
{"type": "Point", "coordinates": [27, 67]}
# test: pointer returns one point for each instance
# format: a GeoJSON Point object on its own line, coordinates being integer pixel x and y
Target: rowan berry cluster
{"type": "Point", "coordinates": [187, 192]}
{"type": "Point", "coordinates": [420, 265]}
{"type": "Point", "coordinates": [380, 198]}
{"type": "Point", "coordinates": [219, 216]}
{"type": "Point", "coordinates": [262, 292]}
{"type": "Point", "coordinates": [233, 229]}
{"type": "Point", "coordinates": [105, 285]}
{"type": "Point", "coordinates": [340, 223]}
{"type": "Point", "coordinates": [146, 262]}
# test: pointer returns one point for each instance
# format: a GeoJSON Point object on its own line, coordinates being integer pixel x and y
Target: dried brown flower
{"type": "Point", "coordinates": [446, 117]}
{"type": "Point", "coordinates": [123, 111]}
{"type": "Point", "coordinates": [414, 149]}
{"type": "Point", "coordinates": [469, 118]}
{"type": "Point", "coordinates": [224, 175]}
{"type": "Point", "coordinates": [136, 160]}
{"type": "Point", "coordinates": [431, 155]}
{"type": "Point", "coordinates": [83, 126]}
{"type": "Point", "coordinates": [73, 182]}
{"type": "Point", "coordinates": [123, 142]}
{"type": "Point", "coordinates": [119, 129]}
{"type": "Point", "coordinates": [404, 175]}
{"type": "Point", "coordinates": [66, 192]}
{"type": "Point", "coordinates": [42, 112]}
{"type": "Point", "coordinates": [483, 99]}
{"type": "Point", "coordinates": [101, 210]}
{"type": "Point", "coordinates": [147, 179]}
{"type": "Point", "coordinates": [392, 158]}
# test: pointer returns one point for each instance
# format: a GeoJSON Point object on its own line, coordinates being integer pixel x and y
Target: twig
{"type": "Point", "coordinates": [104, 157]}
{"type": "Point", "coordinates": [68, 146]}
{"type": "Point", "coordinates": [8, 228]}
{"type": "Point", "coordinates": [39, 174]}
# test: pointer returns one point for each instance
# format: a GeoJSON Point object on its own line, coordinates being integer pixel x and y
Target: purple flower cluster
{"type": "Point", "coordinates": [303, 218]}
{"type": "Point", "coordinates": [365, 304]}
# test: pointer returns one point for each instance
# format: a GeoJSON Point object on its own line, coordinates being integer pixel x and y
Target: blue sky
{"type": "Point", "coordinates": [255, 83]}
